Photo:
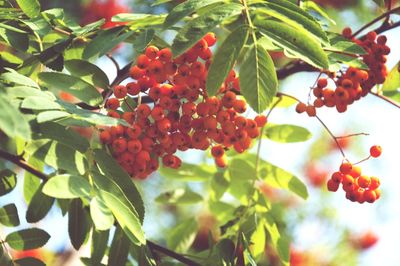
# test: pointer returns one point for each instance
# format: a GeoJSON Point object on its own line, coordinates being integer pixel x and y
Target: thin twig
{"type": "Point", "coordinates": [385, 99]}
{"type": "Point", "coordinates": [384, 15]}
{"type": "Point", "coordinates": [352, 135]}
{"type": "Point", "coordinates": [333, 136]}
{"type": "Point", "coordinates": [363, 160]}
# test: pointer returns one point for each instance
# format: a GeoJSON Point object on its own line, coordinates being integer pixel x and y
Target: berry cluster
{"type": "Point", "coordinates": [99, 9]}
{"type": "Point", "coordinates": [358, 187]}
{"type": "Point", "coordinates": [178, 113]}
{"type": "Point", "coordinates": [354, 83]}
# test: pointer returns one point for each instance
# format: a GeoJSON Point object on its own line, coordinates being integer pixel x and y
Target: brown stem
{"type": "Point", "coordinates": [385, 99]}
{"type": "Point", "coordinates": [352, 135]}
{"type": "Point", "coordinates": [113, 61]}
{"type": "Point", "coordinates": [155, 247]}
{"type": "Point", "coordinates": [384, 15]}
{"type": "Point", "coordinates": [18, 160]}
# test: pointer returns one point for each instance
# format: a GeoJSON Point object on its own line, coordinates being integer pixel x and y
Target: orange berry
{"type": "Point", "coordinates": [261, 120]}
{"type": "Point", "coordinates": [311, 111]}
{"type": "Point", "coordinates": [301, 107]}
{"type": "Point", "coordinates": [375, 151]}
{"type": "Point", "coordinates": [332, 185]}
{"type": "Point", "coordinates": [112, 103]}
{"type": "Point", "coordinates": [151, 52]}
{"type": "Point", "coordinates": [217, 151]}
{"type": "Point", "coordinates": [345, 168]}
{"type": "Point", "coordinates": [364, 181]}
{"type": "Point", "coordinates": [120, 91]}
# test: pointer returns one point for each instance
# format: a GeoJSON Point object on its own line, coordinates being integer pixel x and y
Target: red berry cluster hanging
{"type": "Point", "coordinates": [178, 114]}
{"type": "Point", "coordinates": [359, 188]}
{"type": "Point", "coordinates": [354, 83]}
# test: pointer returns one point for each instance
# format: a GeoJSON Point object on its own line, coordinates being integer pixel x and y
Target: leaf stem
{"type": "Point", "coordinates": [155, 247]}
{"type": "Point", "coordinates": [332, 135]}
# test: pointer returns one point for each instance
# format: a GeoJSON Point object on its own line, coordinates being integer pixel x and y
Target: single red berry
{"type": "Point", "coordinates": [375, 151]}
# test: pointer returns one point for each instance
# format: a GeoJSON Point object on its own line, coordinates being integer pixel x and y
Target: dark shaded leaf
{"type": "Point", "coordinates": [79, 224]}
{"type": "Point", "coordinates": [27, 239]}
{"type": "Point", "coordinates": [9, 215]}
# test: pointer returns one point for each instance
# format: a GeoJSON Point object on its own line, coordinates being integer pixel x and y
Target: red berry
{"type": "Point", "coordinates": [375, 151]}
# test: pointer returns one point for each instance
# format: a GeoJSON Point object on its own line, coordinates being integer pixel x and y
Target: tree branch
{"type": "Point", "coordinates": [155, 247]}
{"type": "Point", "coordinates": [385, 99]}
{"type": "Point", "coordinates": [18, 160]}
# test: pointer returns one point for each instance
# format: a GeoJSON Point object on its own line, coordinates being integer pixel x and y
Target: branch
{"type": "Point", "coordinates": [385, 99]}
{"type": "Point", "coordinates": [384, 15]}
{"type": "Point", "coordinates": [170, 253]}
{"type": "Point", "coordinates": [18, 160]}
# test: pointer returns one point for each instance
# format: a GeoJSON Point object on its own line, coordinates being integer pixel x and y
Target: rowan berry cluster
{"type": "Point", "coordinates": [179, 115]}
{"type": "Point", "coordinates": [354, 83]}
{"type": "Point", "coordinates": [358, 187]}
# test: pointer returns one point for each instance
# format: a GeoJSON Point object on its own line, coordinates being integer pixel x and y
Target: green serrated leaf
{"type": "Point", "coordinates": [101, 215]}
{"type": "Point", "coordinates": [39, 206]}
{"type": "Point", "coordinates": [195, 29]}
{"type": "Point", "coordinates": [280, 243]}
{"type": "Point", "coordinates": [287, 133]}
{"type": "Point", "coordinates": [8, 181]}
{"type": "Point", "coordinates": [392, 82]}
{"type": "Point", "coordinates": [88, 72]}
{"type": "Point", "coordinates": [126, 217]}
{"type": "Point", "coordinates": [179, 196]}
{"type": "Point", "coordinates": [184, 9]}
{"type": "Point", "coordinates": [67, 187]}
{"type": "Point", "coordinates": [32, 182]}
{"type": "Point", "coordinates": [73, 85]}
{"type": "Point", "coordinates": [258, 80]}
{"type": "Point", "coordinates": [294, 16]}
{"type": "Point", "coordinates": [58, 156]}
{"type": "Point", "coordinates": [98, 246]}
{"type": "Point", "coordinates": [188, 172]}
{"type": "Point", "coordinates": [79, 224]}
{"type": "Point", "coordinates": [119, 249]}
{"type": "Point", "coordinates": [9, 215]}
{"type": "Point", "coordinates": [27, 239]}
{"type": "Point", "coordinates": [12, 122]}
{"type": "Point", "coordinates": [225, 59]}
{"type": "Point", "coordinates": [312, 6]}
{"type": "Point", "coordinates": [181, 237]}
{"type": "Point", "coordinates": [29, 261]}
{"type": "Point", "coordinates": [295, 42]}
{"type": "Point", "coordinates": [112, 170]}
{"type": "Point", "coordinates": [30, 7]}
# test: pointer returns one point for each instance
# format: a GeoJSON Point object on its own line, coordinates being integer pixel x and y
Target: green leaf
{"type": "Point", "coordinates": [73, 85]}
{"type": "Point", "coordinates": [181, 237]}
{"type": "Point", "coordinates": [287, 133]}
{"type": "Point", "coordinates": [225, 59]}
{"type": "Point", "coordinates": [280, 243]}
{"type": "Point", "coordinates": [61, 134]}
{"type": "Point", "coordinates": [57, 156]}
{"type": "Point", "coordinates": [23, 92]}
{"type": "Point", "coordinates": [48, 116]}
{"type": "Point", "coordinates": [9, 215]}
{"type": "Point", "coordinates": [67, 187]}
{"type": "Point", "coordinates": [392, 82]}
{"type": "Point", "coordinates": [88, 72]}
{"type": "Point", "coordinates": [32, 182]}
{"type": "Point", "coordinates": [27, 239]}
{"type": "Point", "coordinates": [258, 240]}
{"type": "Point", "coordinates": [195, 29]}
{"type": "Point", "coordinates": [30, 7]}
{"type": "Point", "coordinates": [12, 77]}
{"type": "Point", "coordinates": [218, 184]}
{"type": "Point", "coordinates": [242, 169]}
{"type": "Point", "coordinates": [8, 181]}
{"type": "Point", "coordinates": [29, 261]}
{"type": "Point", "coordinates": [52, 57]}
{"type": "Point", "coordinates": [294, 16]}
{"type": "Point", "coordinates": [279, 178]}
{"type": "Point", "coordinates": [126, 217]}
{"type": "Point", "coordinates": [294, 42]}
{"type": "Point", "coordinates": [179, 196]}
{"type": "Point", "coordinates": [79, 224]}
{"type": "Point", "coordinates": [119, 249]}
{"type": "Point", "coordinates": [114, 171]}
{"type": "Point", "coordinates": [336, 60]}
{"type": "Point", "coordinates": [89, 27]}
{"type": "Point", "coordinates": [39, 206]}
{"type": "Point", "coordinates": [258, 80]}
{"type": "Point", "coordinates": [380, 3]}
{"type": "Point", "coordinates": [98, 246]}
{"type": "Point", "coordinates": [143, 39]}
{"type": "Point", "coordinates": [139, 21]}
{"type": "Point", "coordinates": [40, 103]}
{"type": "Point", "coordinates": [17, 40]}
{"type": "Point", "coordinates": [104, 42]}
{"type": "Point", "coordinates": [188, 172]}
{"type": "Point", "coordinates": [12, 122]}
{"type": "Point", "coordinates": [184, 9]}
{"type": "Point", "coordinates": [101, 215]}
{"type": "Point", "coordinates": [312, 6]}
